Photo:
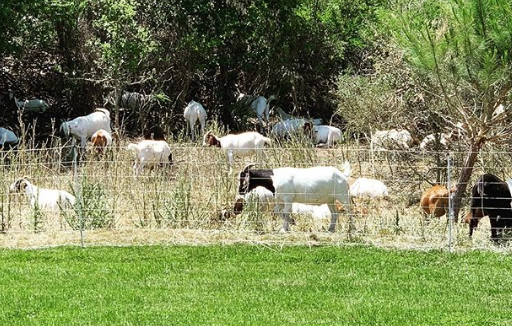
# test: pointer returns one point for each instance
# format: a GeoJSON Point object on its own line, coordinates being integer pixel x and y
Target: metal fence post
{"type": "Point", "coordinates": [78, 193]}
{"type": "Point", "coordinates": [450, 204]}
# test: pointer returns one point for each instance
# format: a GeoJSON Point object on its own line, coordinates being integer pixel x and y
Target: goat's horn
{"type": "Point", "coordinates": [247, 167]}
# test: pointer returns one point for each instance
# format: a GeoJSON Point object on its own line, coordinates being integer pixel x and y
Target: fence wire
{"type": "Point", "coordinates": [191, 200]}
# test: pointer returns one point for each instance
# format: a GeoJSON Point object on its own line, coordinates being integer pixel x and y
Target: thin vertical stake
{"type": "Point", "coordinates": [78, 195]}
{"type": "Point", "coordinates": [450, 205]}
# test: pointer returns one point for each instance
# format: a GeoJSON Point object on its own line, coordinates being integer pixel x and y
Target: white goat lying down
{"type": "Point", "coordinates": [260, 106]}
{"type": "Point", "coordinates": [150, 151]}
{"type": "Point", "coordinates": [49, 199]}
{"type": "Point", "coordinates": [84, 127]}
{"type": "Point", "coordinates": [323, 134]}
{"type": "Point", "coordinates": [317, 185]}
{"type": "Point", "coordinates": [391, 139]}
{"type": "Point", "coordinates": [265, 203]}
{"type": "Point", "coordinates": [193, 112]}
{"type": "Point", "coordinates": [366, 187]}
{"type": "Point", "coordinates": [244, 144]}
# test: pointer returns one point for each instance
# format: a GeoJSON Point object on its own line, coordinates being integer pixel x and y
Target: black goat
{"type": "Point", "coordinates": [491, 196]}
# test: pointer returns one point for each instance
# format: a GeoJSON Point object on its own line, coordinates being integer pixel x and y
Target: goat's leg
{"type": "Point", "coordinates": [334, 217]}
{"type": "Point", "coordinates": [345, 200]}
{"type": "Point", "coordinates": [494, 228]}
{"type": "Point", "coordinates": [203, 122]}
{"type": "Point", "coordinates": [260, 122]}
{"type": "Point", "coordinates": [230, 157]}
{"type": "Point", "coordinates": [192, 131]}
{"type": "Point", "coordinates": [285, 214]}
{"type": "Point", "coordinates": [473, 224]}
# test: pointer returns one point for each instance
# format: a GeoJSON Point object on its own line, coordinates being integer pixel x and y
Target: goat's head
{"type": "Point", "coordinates": [210, 140]}
{"type": "Point", "coordinates": [239, 206]}
{"type": "Point", "coordinates": [19, 185]}
{"type": "Point", "coordinates": [64, 129]}
{"type": "Point", "coordinates": [244, 179]}
{"type": "Point", "coordinates": [308, 129]}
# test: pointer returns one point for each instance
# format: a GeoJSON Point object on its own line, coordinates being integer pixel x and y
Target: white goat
{"type": "Point", "coordinates": [440, 141]}
{"type": "Point", "coordinates": [100, 140]}
{"type": "Point", "coordinates": [265, 203]}
{"type": "Point", "coordinates": [316, 186]}
{"type": "Point", "coordinates": [193, 112]}
{"type": "Point", "coordinates": [134, 100]}
{"type": "Point", "coordinates": [244, 144]}
{"type": "Point", "coordinates": [289, 127]}
{"type": "Point", "coordinates": [324, 134]}
{"type": "Point", "coordinates": [366, 187]}
{"type": "Point", "coordinates": [49, 199]}
{"type": "Point", "coordinates": [7, 137]}
{"type": "Point", "coordinates": [260, 106]}
{"type": "Point", "coordinates": [285, 116]}
{"type": "Point", "coordinates": [84, 127]}
{"type": "Point", "coordinates": [150, 151]}
{"type": "Point", "coordinates": [391, 139]}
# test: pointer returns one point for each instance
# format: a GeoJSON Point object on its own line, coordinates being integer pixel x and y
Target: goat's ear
{"type": "Point", "coordinates": [247, 179]}
{"type": "Point", "coordinates": [23, 184]}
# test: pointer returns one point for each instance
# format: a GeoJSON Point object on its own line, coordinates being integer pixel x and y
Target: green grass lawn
{"type": "Point", "coordinates": [253, 285]}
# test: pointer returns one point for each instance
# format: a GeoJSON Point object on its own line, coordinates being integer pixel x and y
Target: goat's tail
{"type": "Point", "coordinates": [346, 169]}
{"type": "Point", "coordinates": [107, 113]}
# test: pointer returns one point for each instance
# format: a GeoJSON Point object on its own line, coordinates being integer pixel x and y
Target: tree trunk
{"type": "Point", "coordinates": [465, 175]}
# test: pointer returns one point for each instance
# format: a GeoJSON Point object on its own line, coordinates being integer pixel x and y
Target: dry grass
{"type": "Point", "coordinates": [181, 203]}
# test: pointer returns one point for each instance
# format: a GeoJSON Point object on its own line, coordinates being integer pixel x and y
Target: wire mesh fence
{"type": "Point", "coordinates": [191, 200]}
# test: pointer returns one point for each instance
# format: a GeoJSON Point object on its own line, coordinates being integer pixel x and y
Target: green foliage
{"type": "Point", "coordinates": [121, 41]}
{"type": "Point", "coordinates": [91, 211]}
{"type": "Point", "coordinates": [178, 210]}
{"type": "Point", "coordinates": [462, 47]}
{"type": "Point", "coordinates": [189, 49]}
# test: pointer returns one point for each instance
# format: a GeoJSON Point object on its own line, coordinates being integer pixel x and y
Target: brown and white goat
{"type": "Point", "coordinates": [100, 140]}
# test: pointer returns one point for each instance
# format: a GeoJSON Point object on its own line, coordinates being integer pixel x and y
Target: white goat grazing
{"type": "Point", "coordinates": [391, 139]}
{"type": "Point", "coordinates": [244, 144]}
{"type": "Point", "coordinates": [84, 127]}
{"type": "Point", "coordinates": [193, 112]}
{"type": "Point", "coordinates": [100, 140]}
{"type": "Point", "coordinates": [49, 199]}
{"type": "Point", "coordinates": [316, 186]}
{"type": "Point", "coordinates": [260, 105]}
{"type": "Point", "coordinates": [7, 137]}
{"type": "Point", "coordinates": [324, 134]}
{"type": "Point", "coordinates": [285, 116]}
{"type": "Point", "coordinates": [286, 128]}
{"type": "Point", "coordinates": [366, 187]}
{"type": "Point", "coordinates": [150, 151]}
